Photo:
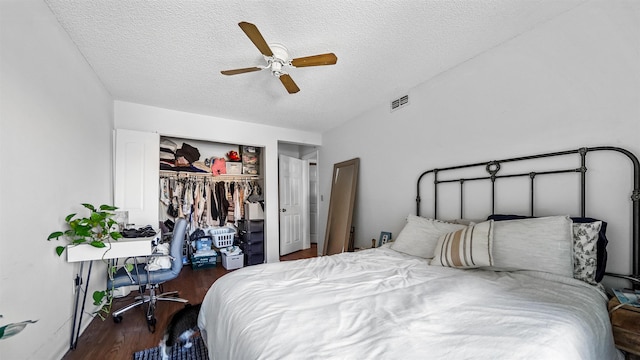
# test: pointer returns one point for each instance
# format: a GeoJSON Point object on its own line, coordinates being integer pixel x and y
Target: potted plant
{"type": "Point", "coordinates": [96, 230]}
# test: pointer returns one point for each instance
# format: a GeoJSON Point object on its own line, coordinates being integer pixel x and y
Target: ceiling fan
{"type": "Point", "coordinates": [277, 58]}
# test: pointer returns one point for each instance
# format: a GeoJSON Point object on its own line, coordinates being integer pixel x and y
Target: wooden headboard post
{"type": "Point", "coordinates": [493, 168]}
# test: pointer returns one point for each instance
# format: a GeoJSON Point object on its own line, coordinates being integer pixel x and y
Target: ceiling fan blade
{"type": "Point", "coordinates": [315, 60]}
{"type": "Point", "coordinates": [240, 71]}
{"type": "Point", "coordinates": [288, 83]}
{"type": "Point", "coordinates": [254, 35]}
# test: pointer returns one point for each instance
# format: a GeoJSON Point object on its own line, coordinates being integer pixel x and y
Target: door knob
{"type": "Point", "coordinates": [283, 210]}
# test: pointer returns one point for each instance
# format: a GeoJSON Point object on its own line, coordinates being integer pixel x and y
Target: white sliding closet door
{"type": "Point", "coordinates": [137, 173]}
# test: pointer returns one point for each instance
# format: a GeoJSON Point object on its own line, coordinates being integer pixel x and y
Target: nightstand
{"type": "Point", "coordinates": [625, 322]}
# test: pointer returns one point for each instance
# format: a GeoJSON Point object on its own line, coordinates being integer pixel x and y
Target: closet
{"type": "Point", "coordinates": [160, 178]}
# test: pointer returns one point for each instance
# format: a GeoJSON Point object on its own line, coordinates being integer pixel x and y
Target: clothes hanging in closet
{"type": "Point", "coordinates": [203, 201]}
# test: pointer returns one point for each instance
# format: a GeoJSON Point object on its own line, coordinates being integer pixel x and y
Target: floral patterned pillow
{"type": "Point", "coordinates": [585, 260]}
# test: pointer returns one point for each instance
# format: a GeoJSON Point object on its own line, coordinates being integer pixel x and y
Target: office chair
{"type": "Point", "coordinates": [152, 279]}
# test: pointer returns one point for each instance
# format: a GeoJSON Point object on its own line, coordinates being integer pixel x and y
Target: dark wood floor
{"type": "Point", "coordinates": [107, 340]}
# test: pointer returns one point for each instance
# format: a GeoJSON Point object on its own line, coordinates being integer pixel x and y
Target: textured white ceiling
{"type": "Point", "coordinates": [169, 53]}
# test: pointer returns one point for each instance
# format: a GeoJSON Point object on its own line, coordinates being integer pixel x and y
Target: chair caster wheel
{"type": "Point", "coordinates": [151, 324]}
{"type": "Point", "coordinates": [117, 319]}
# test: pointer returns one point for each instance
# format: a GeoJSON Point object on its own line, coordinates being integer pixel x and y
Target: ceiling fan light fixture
{"type": "Point", "coordinates": [276, 68]}
{"type": "Point", "coordinates": [279, 53]}
{"type": "Point", "coordinates": [277, 57]}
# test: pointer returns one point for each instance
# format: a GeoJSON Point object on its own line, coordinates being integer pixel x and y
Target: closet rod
{"type": "Point", "coordinates": [222, 177]}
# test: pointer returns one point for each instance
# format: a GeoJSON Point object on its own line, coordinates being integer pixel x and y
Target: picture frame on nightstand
{"type": "Point", "coordinates": [385, 237]}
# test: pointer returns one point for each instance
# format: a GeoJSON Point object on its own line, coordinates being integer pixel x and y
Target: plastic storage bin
{"type": "Point", "coordinates": [252, 237]}
{"type": "Point", "coordinates": [231, 262]}
{"type": "Point", "coordinates": [251, 225]}
{"type": "Point", "coordinates": [203, 262]}
{"type": "Point", "coordinates": [252, 241]}
{"type": "Point", "coordinates": [222, 237]}
{"type": "Point", "coordinates": [252, 246]}
{"type": "Point", "coordinates": [253, 258]}
{"type": "Point", "coordinates": [234, 168]}
{"type": "Point", "coordinates": [203, 244]}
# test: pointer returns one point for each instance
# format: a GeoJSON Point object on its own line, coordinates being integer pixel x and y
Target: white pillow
{"type": "Point", "coordinates": [420, 236]}
{"type": "Point", "coordinates": [466, 248]}
{"type": "Point", "coordinates": [541, 244]}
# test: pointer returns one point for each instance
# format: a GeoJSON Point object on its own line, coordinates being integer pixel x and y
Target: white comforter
{"type": "Point", "coordinates": [381, 304]}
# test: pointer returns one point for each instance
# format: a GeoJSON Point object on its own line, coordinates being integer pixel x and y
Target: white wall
{"type": "Point", "coordinates": [571, 82]}
{"type": "Point", "coordinates": [55, 153]}
{"type": "Point", "coordinates": [200, 127]}
{"type": "Point", "coordinates": [287, 149]}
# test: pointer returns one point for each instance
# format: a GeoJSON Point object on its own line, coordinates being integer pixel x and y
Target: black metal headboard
{"type": "Point", "coordinates": [493, 173]}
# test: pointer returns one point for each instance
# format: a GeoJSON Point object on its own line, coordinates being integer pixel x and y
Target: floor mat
{"type": "Point", "coordinates": [196, 352]}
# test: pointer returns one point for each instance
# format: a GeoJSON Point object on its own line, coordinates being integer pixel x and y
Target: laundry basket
{"type": "Point", "coordinates": [222, 237]}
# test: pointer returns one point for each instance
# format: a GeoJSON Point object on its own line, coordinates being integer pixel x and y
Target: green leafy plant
{"type": "Point", "coordinates": [94, 230]}
{"type": "Point", "coordinates": [98, 231]}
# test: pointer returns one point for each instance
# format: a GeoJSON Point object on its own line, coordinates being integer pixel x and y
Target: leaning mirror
{"type": "Point", "coordinates": [341, 203]}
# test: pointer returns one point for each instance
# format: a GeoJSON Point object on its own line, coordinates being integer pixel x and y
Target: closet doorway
{"type": "Point", "coordinates": [314, 195]}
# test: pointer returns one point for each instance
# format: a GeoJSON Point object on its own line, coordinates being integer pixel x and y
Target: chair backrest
{"type": "Point", "coordinates": [177, 244]}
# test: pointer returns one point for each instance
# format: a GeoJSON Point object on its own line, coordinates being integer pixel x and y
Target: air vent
{"type": "Point", "coordinates": [400, 102]}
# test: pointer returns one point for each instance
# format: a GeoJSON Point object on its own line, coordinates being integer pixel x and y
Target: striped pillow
{"type": "Point", "coordinates": [466, 248]}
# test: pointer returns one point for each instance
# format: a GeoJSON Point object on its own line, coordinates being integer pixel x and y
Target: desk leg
{"type": "Point", "coordinates": [78, 284]}
{"type": "Point", "coordinates": [75, 332]}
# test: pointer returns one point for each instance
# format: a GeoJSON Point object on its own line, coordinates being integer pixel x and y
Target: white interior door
{"type": "Point", "coordinates": [136, 175]}
{"type": "Point", "coordinates": [294, 203]}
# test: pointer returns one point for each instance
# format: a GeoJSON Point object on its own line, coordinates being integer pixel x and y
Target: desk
{"type": "Point", "coordinates": [122, 248]}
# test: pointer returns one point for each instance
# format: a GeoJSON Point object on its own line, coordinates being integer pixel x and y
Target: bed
{"type": "Point", "coordinates": [510, 286]}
